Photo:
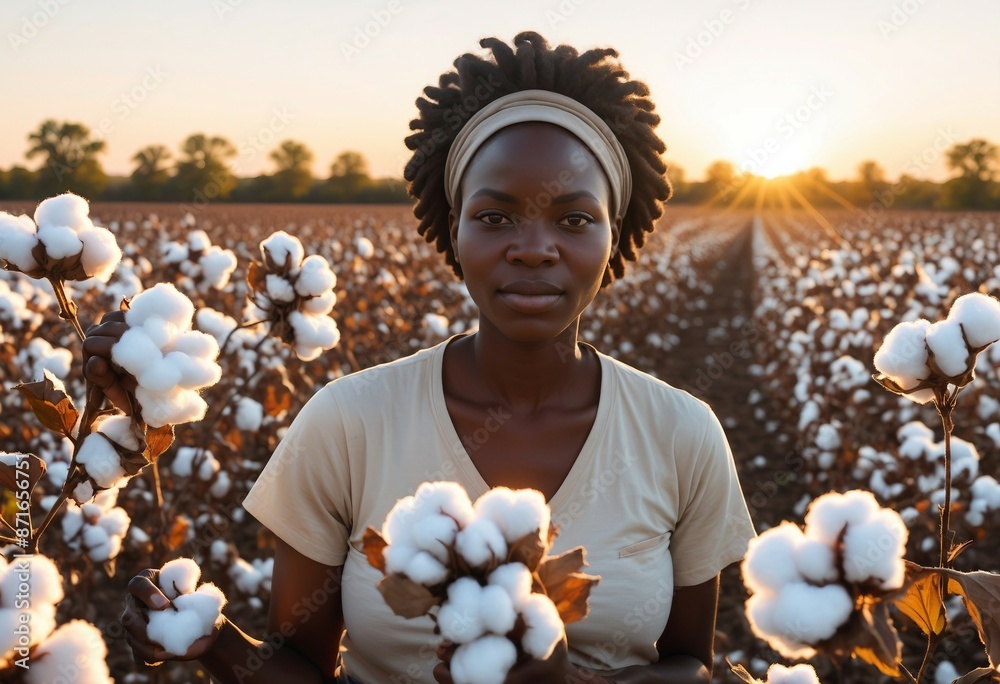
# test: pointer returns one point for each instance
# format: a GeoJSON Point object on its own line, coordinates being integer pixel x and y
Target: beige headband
{"type": "Point", "coordinates": [549, 107]}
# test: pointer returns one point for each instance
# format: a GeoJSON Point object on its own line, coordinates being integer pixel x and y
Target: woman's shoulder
{"type": "Point", "coordinates": [641, 391]}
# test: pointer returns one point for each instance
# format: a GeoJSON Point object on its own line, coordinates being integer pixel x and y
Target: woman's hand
{"type": "Point", "coordinates": [97, 365]}
{"type": "Point", "coordinates": [143, 596]}
{"type": "Point", "coordinates": [555, 668]}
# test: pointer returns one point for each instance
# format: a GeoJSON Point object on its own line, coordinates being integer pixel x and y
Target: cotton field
{"type": "Point", "coordinates": [237, 314]}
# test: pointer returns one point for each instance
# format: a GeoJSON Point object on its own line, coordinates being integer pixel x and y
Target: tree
{"type": "Point", "coordinates": [150, 176]}
{"type": "Point", "coordinates": [294, 177]}
{"type": "Point", "coordinates": [348, 177]}
{"type": "Point", "coordinates": [976, 162]}
{"type": "Point", "coordinates": [872, 178]}
{"type": "Point", "coordinates": [203, 173]}
{"type": "Point", "coordinates": [70, 159]}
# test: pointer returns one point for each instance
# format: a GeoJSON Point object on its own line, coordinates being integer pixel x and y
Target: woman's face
{"type": "Point", "coordinates": [533, 231]}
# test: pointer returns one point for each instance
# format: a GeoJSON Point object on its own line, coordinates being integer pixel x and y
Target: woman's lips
{"type": "Point", "coordinates": [530, 303]}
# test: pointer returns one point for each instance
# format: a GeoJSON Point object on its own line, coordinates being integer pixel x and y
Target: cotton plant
{"type": "Point", "coordinates": [32, 647]}
{"type": "Point", "coordinates": [827, 588]}
{"type": "Point", "coordinates": [206, 266]}
{"type": "Point", "coordinates": [482, 572]}
{"type": "Point", "coordinates": [293, 295]}
{"type": "Point", "coordinates": [96, 529]}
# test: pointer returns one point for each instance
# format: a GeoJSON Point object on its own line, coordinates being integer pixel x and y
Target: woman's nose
{"type": "Point", "coordinates": [533, 245]}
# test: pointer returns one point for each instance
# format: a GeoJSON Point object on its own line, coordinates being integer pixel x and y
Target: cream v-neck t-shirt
{"type": "Point", "coordinates": [653, 497]}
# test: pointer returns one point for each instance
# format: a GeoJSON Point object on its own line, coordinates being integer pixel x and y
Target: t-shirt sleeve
{"type": "Point", "coordinates": [303, 493]}
{"type": "Point", "coordinates": [714, 527]}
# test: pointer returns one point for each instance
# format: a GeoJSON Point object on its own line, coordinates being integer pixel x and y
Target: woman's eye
{"type": "Point", "coordinates": [492, 219]}
{"type": "Point", "coordinates": [578, 220]}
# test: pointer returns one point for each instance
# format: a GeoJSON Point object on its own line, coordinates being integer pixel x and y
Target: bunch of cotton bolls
{"type": "Point", "coordinates": [193, 610]}
{"type": "Point", "coordinates": [168, 359]}
{"type": "Point", "coordinates": [917, 356]}
{"type": "Point", "coordinates": [61, 243]}
{"type": "Point", "coordinates": [100, 459]}
{"type": "Point", "coordinates": [97, 528]}
{"type": "Point", "coordinates": [39, 355]}
{"type": "Point", "coordinates": [201, 463]}
{"type": "Point", "coordinates": [207, 265]}
{"type": "Point", "coordinates": [30, 633]}
{"type": "Point", "coordinates": [803, 582]}
{"type": "Point", "coordinates": [469, 553]}
{"type": "Point", "coordinates": [797, 674]}
{"type": "Point", "coordinates": [294, 295]}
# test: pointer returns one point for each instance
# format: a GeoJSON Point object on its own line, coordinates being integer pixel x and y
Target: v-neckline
{"type": "Point", "coordinates": [473, 477]}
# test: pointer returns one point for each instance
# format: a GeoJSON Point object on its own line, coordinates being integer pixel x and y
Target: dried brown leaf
{"type": "Point", "coordinates": [373, 545]}
{"type": "Point", "coordinates": [981, 592]}
{"type": "Point", "coordinates": [981, 675]}
{"type": "Point", "coordinates": [52, 406]}
{"type": "Point", "coordinates": [877, 642]}
{"type": "Point", "coordinates": [921, 601]}
{"type": "Point", "coordinates": [10, 474]}
{"type": "Point", "coordinates": [568, 588]}
{"type": "Point", "coordinates": [742, 673]}
{"type": "Point", "coordinates": [529, 549]}
{"type": "Point", "coordinates": [158, 440]}
{"type": "Point", "coordinates": [405, 597]}
{"type": "Point", "coordinates": [177, 534]}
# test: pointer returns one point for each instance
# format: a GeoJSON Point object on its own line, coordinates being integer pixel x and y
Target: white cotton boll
{"type": "Point", "coordinates": [437, 324]}
{"type": "Point", "coordinates": [198, 240]}
{"type": "Point", "coordinates": [979, 315]}
{"type": "Point", "coordinates": [320, 306]}
{"type": "Point", "coordinates": [249, 414]}
{"type": "Point", "coordinates": [163, 300]}
{"type": "Point", "coordinates": [516, 512]}
{"type": "Point", "coordinates": [194, 372]}
{"type": "Point", "coordinates": [245, 576]}
{"type": "Point", "coordinates": [314, 331]}
{"type": "Point", "coordinates": [101, 254]}
{"type": "Point", "coordinates": [182, 464]}
{"type": "Point", "coordinates": [44, 580]}
{"type": "Point", "coordinates": [208, 467]}
{"type": "Point", "coordinates": [72, 521]}
{"type": "Point", "coordinates": [160, 376]}
{"type": "Point", "coordinates": [174, 252]}
{"type": "Point", "coordinates": [811, 614]}
{"type": "Point", "coordinates": [398, 557]}
{"type": "Point", "coordinates": [60, 241]}
{"type": "Point", "coordinates": [365, 248]}
{"type": "Point", "coordinates": [515, 579]}
{"type": "Point", "coordinates": [221, 486]}
{"type": "Point", "coordinates": [903, 354]}
{"type": "Point", "coordinates": [315, 278]}
{"type": "Point", "coordinates": [17, 239]}
{"type": "Point", "coordinates": [217, 266]}
{"type": "Point", "coordinates": [214, 323]}
{"type": "Point", "coordinates": [101, 461]}
{"type": "Point", "coordinates": [281, 246]}
{"type": "Point", "coordinates": [828, 437]}
{"type": "Point", "coordinates": [448, 498]}
{"type": "Point", "coordinates": [425, 569]}
{"type": "Point", "coordinates": [769, 563]}
{"type": "Point", "coordinates": [544, 626]}
{"type": "Point", "coordinates": [115, 522]}
{"type": "Point", "coordinates": [484, 661]}
{"type": "Point", "coordinates": [119, 429]}
{"type": "Point", "coordinates": [279, 289]}
{"type": "Point", "coordinates": [816, 561]}
{"type": "Point", "coordinates": [434, 534]}
{"type": "Point", "coordinates": [496, 609]}
{"type": "Point", "coordinates": [459, 616]}
{"type": "Point", "coordinates": [829, 513]}
{"type": "Point", "coordinates": [174, 407]}
{"type": "Point", "coordinates": [480, 542]}
{"type": "Point", "coordinates": [398, 525]}
{"type": "Point", "coordinates": [179, 576]}
{"type": "Point", "coordinates": [914, 429]}
{"type": "Point", "coordinates": [944, 339]}
{"type": "Point", "coordinates": [874, 549]}
{"type": "Point", "coordinates": [83, 492]}
{"type": "Point", "coordinates": [797, 674]}
{"type": "Point", "coordinates": [76, 647]}
{"type": "Point", "coordinates": [134, 351]}
{"type": "Point", "coordinates": [97, 543]}
{"type": "Point", "coordinates": [66, 209]}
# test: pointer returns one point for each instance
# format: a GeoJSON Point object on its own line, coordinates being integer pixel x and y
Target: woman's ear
{"type": "Point", "coordinates": [616, 232]}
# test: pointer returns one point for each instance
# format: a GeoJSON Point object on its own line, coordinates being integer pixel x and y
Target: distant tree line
{"type": "Point", "coordinates": [202, 172]}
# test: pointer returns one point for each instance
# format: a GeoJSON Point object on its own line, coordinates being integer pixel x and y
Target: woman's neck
{"type": "Point", "coordinates": [528, 376]}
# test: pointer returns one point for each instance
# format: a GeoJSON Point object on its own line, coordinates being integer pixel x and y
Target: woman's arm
{"type": "Point", "coordinates": [305, 622]}
{"type": "Point", "coordinates": [686, 647]}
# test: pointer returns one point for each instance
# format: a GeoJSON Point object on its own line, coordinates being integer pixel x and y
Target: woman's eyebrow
{"type": "Point", "coordinates": [504, 197]}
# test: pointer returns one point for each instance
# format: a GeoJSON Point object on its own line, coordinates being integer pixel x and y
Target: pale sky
{"type": "Point", "coordinates": [773, 84]}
